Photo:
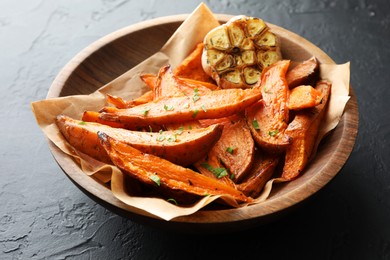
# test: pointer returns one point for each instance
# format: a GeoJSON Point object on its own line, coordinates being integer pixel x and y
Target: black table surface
{"type": "Point", "coordinates": [43, 215]}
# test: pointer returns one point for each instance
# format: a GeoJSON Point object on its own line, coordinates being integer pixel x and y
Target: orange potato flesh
{"type": "Point", "coordinates": [182, 147]}
{"type": "Point", "coordinates": [303, 131]}
{"type": "Point", "coordinates": [304, 96]}
{"type": "Point", "coordinates": [159, 172]}
{"type": "Point", "coordinates": [303, 73]}
{"type": "Point", "coordinates": [191, 66]}
{"type": "Point", "coordinates": [149, 80]}
{"type": "Point", "coordinates": [215, 104]}
{"type": "Point", "coordinates": [268, 118]}
{"type": "Point", "coordinates": [166, 85]}
{"type": "Point", "coordinates": [93, 116]}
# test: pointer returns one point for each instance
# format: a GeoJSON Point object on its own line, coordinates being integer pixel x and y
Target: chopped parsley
{"type": "Point", "coordinates": [180, 130]}
{"type": "Point", "coordinates": [204, 108]}
{"type": "Point", "coordinates": [195, 97]}
{"type": "Point", "coordinates": [173, 201]}
{"type": "Point", "coordinates": [156, 179]}
{"type": "Point", "coordinates": [82, 123]}
{"type": "Point", "coordinates": [172, 138]}
{"type": "Point", "coordinates": [274, 132]}
{"type": "Point", "coordinates": [255, 124]}
{"type": "Point", "coordinates": [218, 172]}
{"type": "Point", "coordinates": [146, 111]}
{"type": "Point", "coordinates": [230, 149]}
{"type": "Point", "coordinates": [168, 108]}
{"type": "Point", "coordinates": [160, 138]}
{"type": "Point", "coordinates": [196, 111]}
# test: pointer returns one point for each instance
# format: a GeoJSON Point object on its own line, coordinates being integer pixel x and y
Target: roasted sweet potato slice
{"type": "Point", "coordinates": [166, 85]}
{"type": "Point", "coordinates": [212, 167]}
{"type": "Point", "coordinates": [149, 80]}
{"type": "Point", "coordinates": [119, 102]}
{"type": "Point", "coordinates": [236, 147]}
{"type": "Point", "coordinates": [268, 118]}
{"type": "Point", "coordinates": [182, 147]}
{"type": "Point", "coordinates": [303, 74]}
{"type": "Point", "coordinates": [163, 174]}
{"type": "Point", "coordinates": [215, 104]}
{"type": "Point", "coordinates": [93, 116]}
{"type": "Point", "coordinates": [191, 66]}
{"type": "Point", "coordinates": [304, 96]}
{"type": "Point", "coordinates": [303, 131]}
{"type": "Point", "coordinates": [263, 168]}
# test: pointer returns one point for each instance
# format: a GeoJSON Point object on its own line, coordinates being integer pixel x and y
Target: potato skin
{"type": "Point", "coordinates": [303, 74]}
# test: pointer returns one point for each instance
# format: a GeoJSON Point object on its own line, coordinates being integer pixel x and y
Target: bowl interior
{"type": "Point", "coordinates": [118, 52]}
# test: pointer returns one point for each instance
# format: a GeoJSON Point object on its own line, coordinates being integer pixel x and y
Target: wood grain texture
{"type": "Point", "coordinates": [116, 53]}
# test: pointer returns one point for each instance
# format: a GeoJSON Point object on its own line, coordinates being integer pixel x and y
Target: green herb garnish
{"type": "Point", "coordinates": [274, 132]}
{"type": "Point", "coordinates": [172, 138]}
{"type": "Point", "coordinates": [255, 124]}
{"type": "Point", "coordinates": [173, 201]}
{"type": "Point", "coordinates": [218, 172]}
{"type": "Point", "coordinates": [180, 130]}
{"type": "Point", "coordinates": [82, 123]}
{"type": "Point", "coordinates": [196, 111]}
{"type": "Point", "coordinates": [195, 97]}
{"type": "Point", "coordinates": [204, 108]}
{"type": "Point", "coordinates": [146, 111]}
{"type": "Point", "coordinates": [230, 149]}
{"type": "Point", "coordinates": [156, 179]}
{"type": "Point", "coordinates": [160, 138]}
{"type": "Point", "coordinates": [168, 108]}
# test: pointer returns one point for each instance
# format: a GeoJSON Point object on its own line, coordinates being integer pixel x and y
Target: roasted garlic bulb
{"type": "Point", "coordinates": [235, 53]}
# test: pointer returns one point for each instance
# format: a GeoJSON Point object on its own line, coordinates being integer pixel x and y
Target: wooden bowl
{"type": "Point", "coordinates": [117, 52]}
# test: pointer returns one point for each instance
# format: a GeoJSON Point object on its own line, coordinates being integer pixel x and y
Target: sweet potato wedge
{"type": "Point", "coordinates": [235, 148]}
{"type": "Point", "coordinates": [149, 80]}
{"type": "Point", "coordinates": [163, 174]}
{"type": "Point", "coordinates": [180, 147]}
{"type": "Point", "coordinates": [191, 66]}
{"type": "Point", "coordinates": [166, 85]}
{"type": "Point", "coordinates": [211, 167]}
{"type": "Point", "coordinates": [268, 118]}
{"type": "Point", "coordinates": [304, 130]}
{"type": "Point", "coordinates": [304, 96]}
{"type": "Point", "coordinates": [263, 168]}
{"type": "Point", "coordinates": [303, 74]}
{"type": "Point", "coordinates": [93, 116]}
{"type": "Point", "coordinates": [215, 104]}
{"type": "Point", "coordinates": [119, 102]}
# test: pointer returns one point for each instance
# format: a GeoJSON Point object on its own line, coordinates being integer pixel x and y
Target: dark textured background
{"type": "Point", "coordinates": [44, 216]}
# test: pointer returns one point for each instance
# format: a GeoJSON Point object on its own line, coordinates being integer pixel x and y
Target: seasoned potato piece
{"type": "Point", "coordinates": [268, 118]}
{"type": "Point", "coordinates": [303, 131]}
{"type": "Point", "coordinates": [182, 147]}
{"type": "Point", "coordinates": [302, 97]}
{"type": "Point", "coordinates": [263, 168]}
{"type": "Point", "coordinates": [303, 74]}
{"type": "Point", "coordinates": [191, 66]}
{"type": "Point", "coordinates": [163, 174]}
{"type": "Point", "coordinates": [215, 104]}
{"type": "Point", "coordinates": [235, 148]}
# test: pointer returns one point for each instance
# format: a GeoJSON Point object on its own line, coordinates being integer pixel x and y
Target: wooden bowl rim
{"type": "Point", "coordinates": [103, 195]}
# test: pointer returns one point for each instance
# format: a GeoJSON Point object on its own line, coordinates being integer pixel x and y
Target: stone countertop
{"type": "Point", "coordinates": [44, 215]}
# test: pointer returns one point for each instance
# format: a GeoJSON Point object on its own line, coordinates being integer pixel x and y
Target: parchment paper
{"type": "Point", "coordinates": [129, 86]}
